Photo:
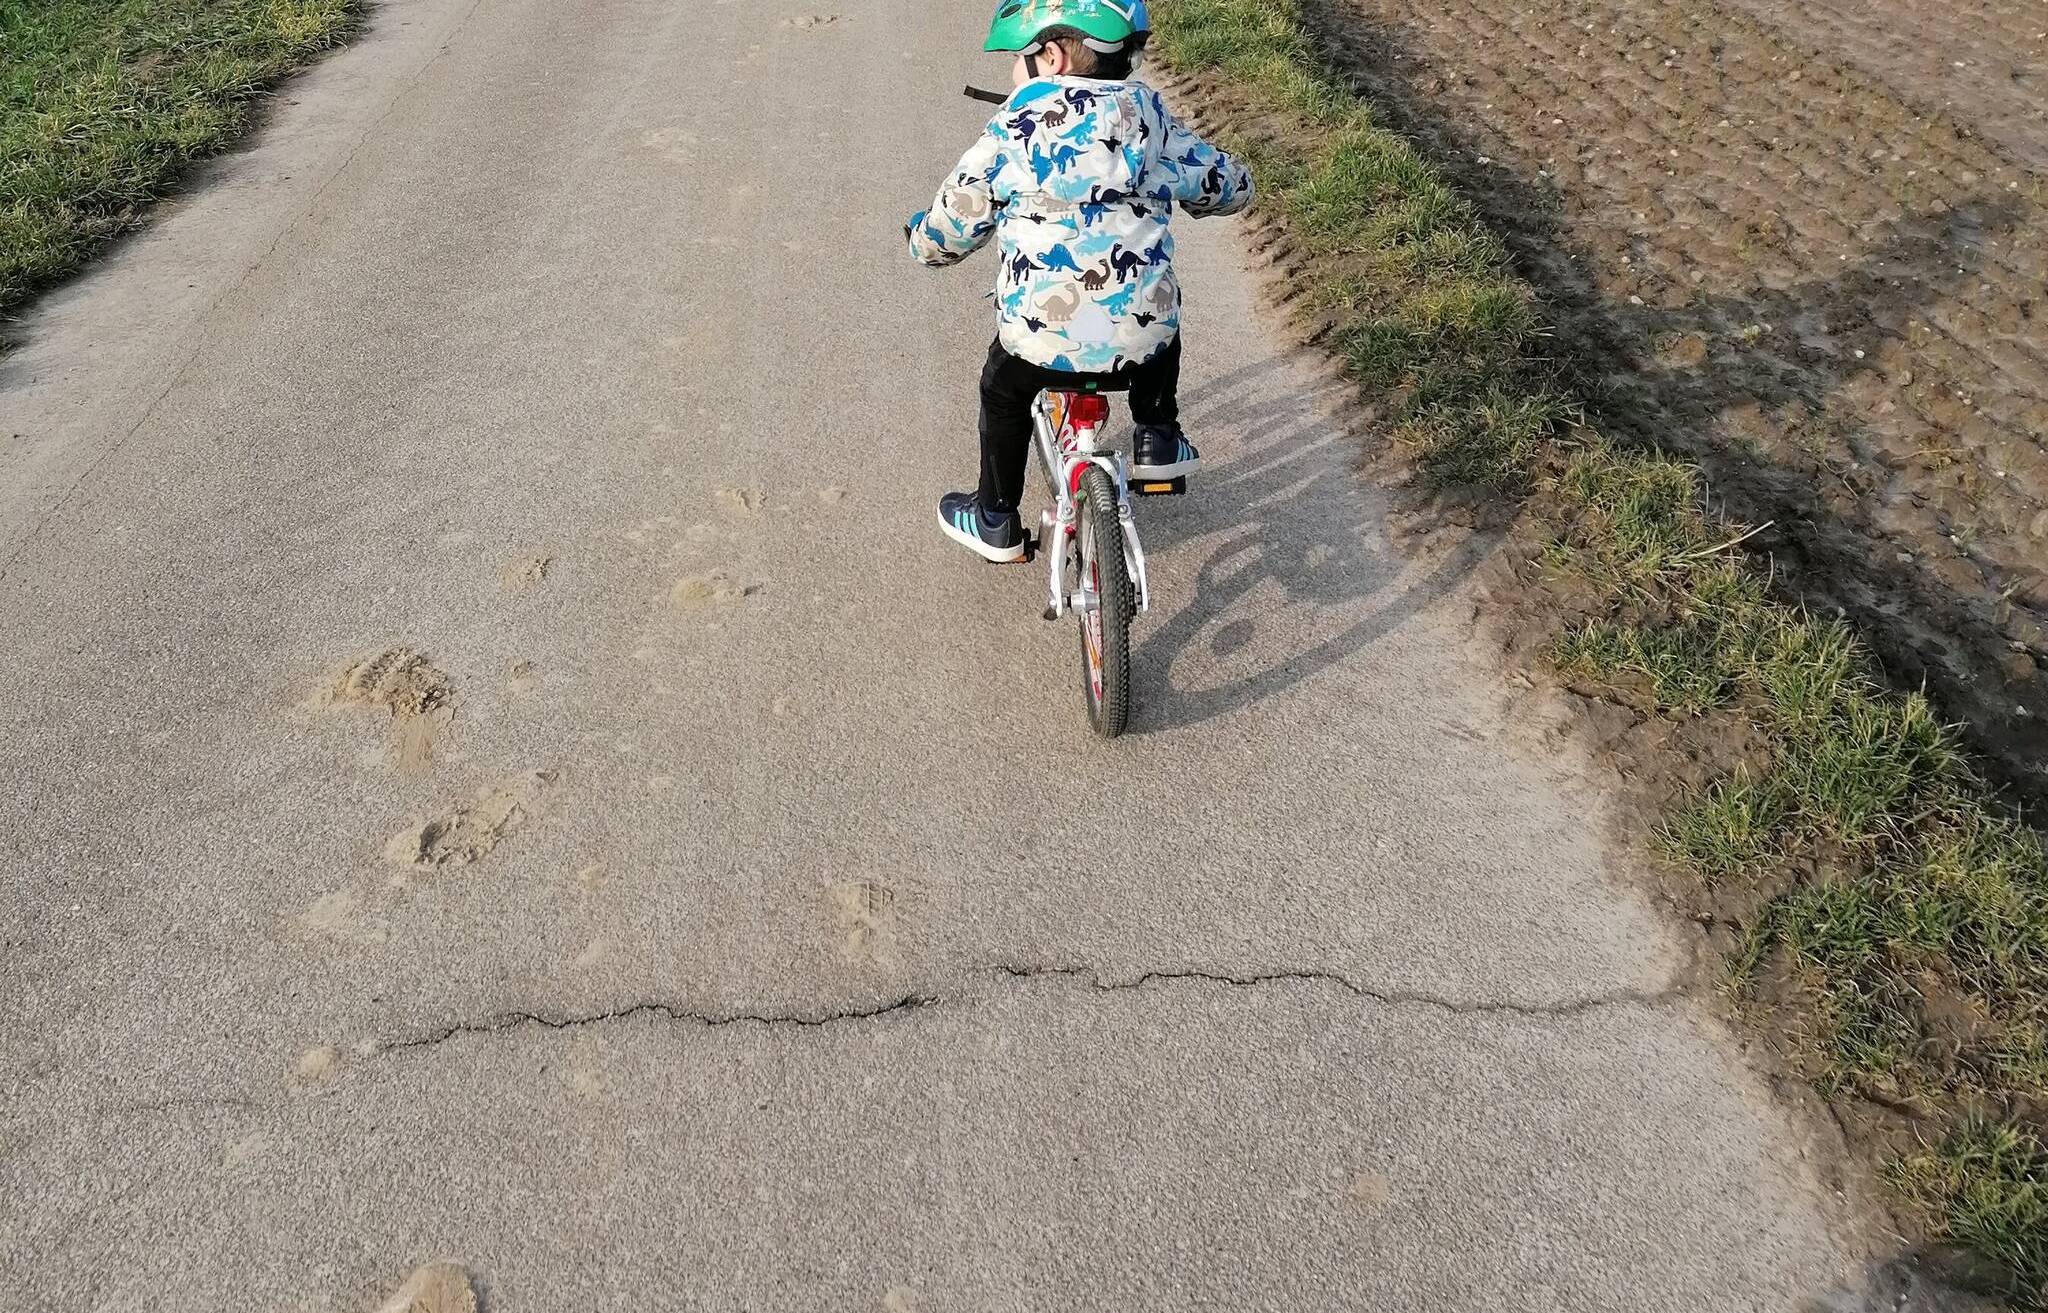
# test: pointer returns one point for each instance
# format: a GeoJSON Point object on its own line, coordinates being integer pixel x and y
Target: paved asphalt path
{"type": "Point", "coordinates": [830, 964]}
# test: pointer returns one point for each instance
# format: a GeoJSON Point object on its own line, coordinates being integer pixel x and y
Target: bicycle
{"type": "Point", "coordinates": [1095, 565]}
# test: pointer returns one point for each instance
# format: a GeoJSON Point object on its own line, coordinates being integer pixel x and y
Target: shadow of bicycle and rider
{"type": "Point", "coordinates": [1293, 573]}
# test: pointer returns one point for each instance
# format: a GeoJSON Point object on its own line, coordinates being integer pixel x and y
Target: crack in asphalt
{"type": "Point", "coordinates": [516, 1020]}
{"type": "Point", "coordinates": [1083, 976]}
{"type": "Point", "coordinates": [1389, 997]}
{"type": "Point", "coordinates": [1093, 979]}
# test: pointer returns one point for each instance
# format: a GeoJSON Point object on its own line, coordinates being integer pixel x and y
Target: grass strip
{"type": "Point", "coordinates": [1987, 1190]}
{"type": "Point", "coordinates": [102, 102]}
{"type": "Point", "coordinates": [1897, 918]}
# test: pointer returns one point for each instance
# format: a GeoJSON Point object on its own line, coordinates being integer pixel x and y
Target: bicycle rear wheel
{"type": "Point", "coordinates": [1108, 601]}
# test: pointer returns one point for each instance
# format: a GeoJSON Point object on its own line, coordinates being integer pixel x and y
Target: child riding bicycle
{"type": "Point", "coordinates": [1077, 175]}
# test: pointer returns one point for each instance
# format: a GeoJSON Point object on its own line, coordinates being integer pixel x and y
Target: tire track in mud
{"type": "Point", "coordinates": [1772, 264]}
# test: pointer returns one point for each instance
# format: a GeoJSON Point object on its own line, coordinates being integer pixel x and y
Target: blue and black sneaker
{"type": "Point", "coordinates": [1162, 451]}
{"type": "Point", "coordinates": [992, 535]}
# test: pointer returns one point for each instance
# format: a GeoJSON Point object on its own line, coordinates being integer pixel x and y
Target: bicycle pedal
{"type": "Point", "coordinates": [1161, 487]}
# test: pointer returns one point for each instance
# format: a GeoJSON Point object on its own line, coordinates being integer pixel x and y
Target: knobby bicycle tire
{"type": "Point", "coordinates": [1102, 558]}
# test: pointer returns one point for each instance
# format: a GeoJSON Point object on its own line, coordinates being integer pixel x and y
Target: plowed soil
{"type": "Point", "coordinates": [1801, 243]}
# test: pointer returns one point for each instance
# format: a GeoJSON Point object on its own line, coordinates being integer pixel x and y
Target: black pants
{"type": "Point", "coordinates": [1008, 386]}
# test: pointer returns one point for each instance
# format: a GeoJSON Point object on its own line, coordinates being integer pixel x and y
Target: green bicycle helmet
{"type": "Point", "coordinates": [1105, 25]}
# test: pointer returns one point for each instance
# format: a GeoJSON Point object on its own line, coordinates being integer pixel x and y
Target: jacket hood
{"type": "Point", "coordinates": [1117, 129]}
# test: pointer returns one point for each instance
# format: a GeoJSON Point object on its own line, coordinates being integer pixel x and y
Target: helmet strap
{"type": "Point", "coordinates": [1031, 61]}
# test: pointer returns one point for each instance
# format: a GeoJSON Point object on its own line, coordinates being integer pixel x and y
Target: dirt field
{"type": "Point", "coordinates": [1801, 242]}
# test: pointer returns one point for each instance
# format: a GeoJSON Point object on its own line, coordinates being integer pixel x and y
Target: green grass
{"type": "Point", "coordinates": [1988, 1188]}
{"type": "Point", "coordinates": [1897, 914]}
{"type": "Point", "coordinates": [1679, 666]}
{"type": "Point", "coordinates": [102, 102]}
{"type": "Point", "coordinates": [1736, 828]}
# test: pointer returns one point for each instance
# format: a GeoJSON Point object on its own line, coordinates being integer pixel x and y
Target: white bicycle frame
{"type": "Point", "coordinates": [1063, 449]}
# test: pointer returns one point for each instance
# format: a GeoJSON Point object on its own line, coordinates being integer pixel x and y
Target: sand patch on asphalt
{"type": "Point", "coordinates": [865, 914]}
{"type": "Point", "coordinates": [316, 1064]}
{"type": "Point", "coordinates": [331, 913]}
{"type": "Point", "coordinates": [715, 589]}
{"type": "Point", "coordinates": [521, 679]}
{"type": "Point", "coordinates": [525, 574]}
{"type": "Point", "coordinates": [1370, 1189]}
{"type": "Point", "coordinates": [337, 914]}
{"type": "Point", "coordinates": [434, 1288]}
{"type": "Point", "coordinates": [405, 684]}
{"type": "Point", "coordinates": [470, 832]}
{"type": "Point", "coordinates": [747, 501]}
{"type": "Point", "coordinates": [646, 532]}
{"type": "Point", "coordinates": [246, 1150]}
{"type": "Point", "coordinates": [678, 144]}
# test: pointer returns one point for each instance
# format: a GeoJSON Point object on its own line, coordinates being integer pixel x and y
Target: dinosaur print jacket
{"type": "Point", "coordinates": [1078, 178]}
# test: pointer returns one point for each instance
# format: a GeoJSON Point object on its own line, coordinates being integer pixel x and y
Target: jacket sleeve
{"type": "Point", "coordinates": [1205, 180]}
{"type": "Point", "coordinates": [964, 213]}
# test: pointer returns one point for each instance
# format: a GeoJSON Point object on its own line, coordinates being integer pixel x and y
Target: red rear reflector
{"type": "Point", "coordinates": [1087, 411]}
